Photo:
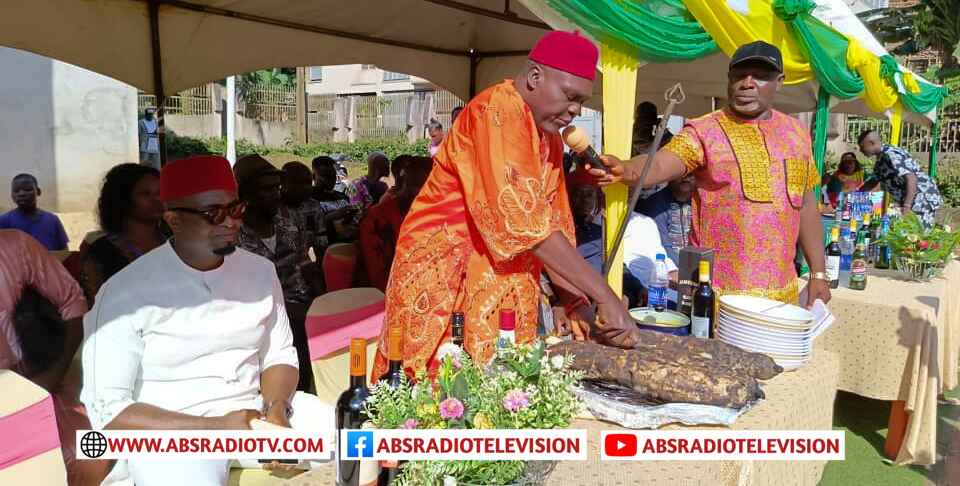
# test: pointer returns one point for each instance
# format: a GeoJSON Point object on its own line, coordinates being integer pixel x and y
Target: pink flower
{"type": "Point", "coordinates": [923, 244]}
{"type": "Point", "coordinates": [516, 400]}
{"type": "Point", "coordinates": [451, 408]}
{"type": "Point", "coordinates": [410, 423]}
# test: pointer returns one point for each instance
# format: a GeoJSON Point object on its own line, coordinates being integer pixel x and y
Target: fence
{"type": "Point", "coordinates": [194, 101]}
{"type": "Point", "coordinates": [914, 138]}
{"type": "Point", "coordinates": [383, 116]}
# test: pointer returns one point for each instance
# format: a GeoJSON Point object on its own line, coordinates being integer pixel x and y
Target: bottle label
{"type": "Point", "coordinates": [858, 271]}
{"type": "Point", "coordinates": [833, 268]}
{"type": "Point", "coordinates": [657, 297]}
{"type": "Point", "coordinates": [700, 326]}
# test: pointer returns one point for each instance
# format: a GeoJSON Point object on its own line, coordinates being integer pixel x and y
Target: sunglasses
{"type": "Point", "coordinates": [218, 214]}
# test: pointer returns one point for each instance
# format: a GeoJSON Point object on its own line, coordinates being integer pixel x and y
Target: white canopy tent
{"type": "Point", "coordinates": [164, 46]}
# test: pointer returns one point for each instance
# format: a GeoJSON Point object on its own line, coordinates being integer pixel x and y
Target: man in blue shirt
{"type": "Point", "coordinates": [45, 227]}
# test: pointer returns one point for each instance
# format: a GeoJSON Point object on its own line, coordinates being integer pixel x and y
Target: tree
{"type": "Point", "coordinates": [931, 23]}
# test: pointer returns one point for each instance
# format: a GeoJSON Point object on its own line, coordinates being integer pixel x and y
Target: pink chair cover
{"type": "Point", "coordinates": [332, 332]}
{"type": "Point", "coordinates": [339, 268]}
{"type": "Point", "coordinates": [28, 433]}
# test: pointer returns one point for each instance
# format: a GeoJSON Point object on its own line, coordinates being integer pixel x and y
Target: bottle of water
{"type": "Point", "coordinates": [848, 236]}
{"type": "Point", "coordinates": [659, 280]}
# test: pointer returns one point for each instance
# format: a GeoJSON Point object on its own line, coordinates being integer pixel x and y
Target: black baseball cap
{"type": "Point", "coordinates": [758, 51]}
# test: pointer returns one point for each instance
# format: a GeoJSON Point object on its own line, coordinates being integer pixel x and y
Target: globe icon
{"type": "Point", "coordinates": [93, 444]}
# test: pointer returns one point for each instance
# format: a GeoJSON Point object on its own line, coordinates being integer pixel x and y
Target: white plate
{"type": "Point", "coordinates": [727, 335]}
{"type": "Point", "coordinates": [767, 309]}
{"type": "Point", "coordinates": [767, 323]}
{"type": "Point", "coordinates": [765, 331]}
{"type": "Point", "coordinates": [763, 347]}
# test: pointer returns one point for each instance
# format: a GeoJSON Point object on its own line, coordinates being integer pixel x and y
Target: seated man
{"type": "Point", "coordinates": [641, 243]}
{"type": "Point", "coordinates": [381, 225]}
{"type": "Point", "coordinates": [338, 212]}
{"type": "Point", "coordinates": [194, 334]}
{"type": "Point", "coordinates": [44, 226]}
{"type": "Point", "coordinates": [40, 344]}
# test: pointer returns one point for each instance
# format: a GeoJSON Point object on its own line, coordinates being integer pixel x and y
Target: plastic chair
{"type": "Point", "coordinates": [29, 441]}
{"type": "Point", "coordinates": [333, 319]}
{"type": "Point", "coordinates": [339, 265]}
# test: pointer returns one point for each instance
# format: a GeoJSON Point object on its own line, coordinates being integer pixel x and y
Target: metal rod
{"type": "Point", "coordinates": [511, 17]}
{"type": "Point", "coordinates": [675, 96]}
{"type": "Point", "coordinates": [474, 62]}
{"type": "Point", "coordinates": [153, 8]}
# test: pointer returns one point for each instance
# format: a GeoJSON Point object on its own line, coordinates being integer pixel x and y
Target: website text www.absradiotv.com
{"type": "Point", "coordinates": [463, 444]}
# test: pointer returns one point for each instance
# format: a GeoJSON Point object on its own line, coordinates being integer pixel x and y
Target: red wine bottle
{"type": "Point", "coordinates": [456, 324]}
{"type": "Point", "coordinates": [394, 372]}
{"type": "Point", "coordinates": [351, 415]}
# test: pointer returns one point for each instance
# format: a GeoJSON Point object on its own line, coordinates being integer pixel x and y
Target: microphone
{"type": "Point", "coordinates": [577, 140]}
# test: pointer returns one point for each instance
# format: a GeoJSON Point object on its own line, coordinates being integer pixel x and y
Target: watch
{"type": "Point", "coordinates": [287, 409]}
{"type": "Point", "coordinates": [819, 276]}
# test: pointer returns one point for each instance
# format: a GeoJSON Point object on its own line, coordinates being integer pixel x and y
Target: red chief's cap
{"type": "Point", "coordinates": [568, 52]}
{"type": "Point", "coordinates": [193, 175]}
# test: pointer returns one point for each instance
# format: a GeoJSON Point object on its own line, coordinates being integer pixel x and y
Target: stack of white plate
{"type": "Point", "coordinates": [782, 331]}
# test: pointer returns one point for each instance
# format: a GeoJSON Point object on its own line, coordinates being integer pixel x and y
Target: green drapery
{"type": "Point", "coordinates": [820, 124]}
{"type": "Point", "coordinates": [653, 30]}
{"type": "Point", "coordinates": [928, 98]}
{"type": "Point", "coordinates": [934, 145]}
{"type": "Point", "coordinates": [825, 48]}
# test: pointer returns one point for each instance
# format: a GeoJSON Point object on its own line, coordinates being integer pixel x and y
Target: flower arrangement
{"type": "Point", "coordinates": [522, 389]}
{"type": "Point", "coordinates": [921, 251]}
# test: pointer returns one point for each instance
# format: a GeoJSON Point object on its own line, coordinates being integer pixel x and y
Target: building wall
{"type": "Point", "coordinates": [65, 125]}
{"type": "Point", "coordinates": [358, 78]}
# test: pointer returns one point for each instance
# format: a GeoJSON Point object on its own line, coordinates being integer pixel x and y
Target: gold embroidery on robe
{"type": "Point", "coordinates": [750, 150]}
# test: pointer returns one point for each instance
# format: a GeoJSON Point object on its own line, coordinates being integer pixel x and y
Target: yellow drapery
{"type": "Point", "coordinates": [619, 93]}
{"type": "Point", "coordinates": [731, 29]}
{"type": "Point", "coordinates": [878, 95]}
{"type": "Point", "coordinates": [896, 123]}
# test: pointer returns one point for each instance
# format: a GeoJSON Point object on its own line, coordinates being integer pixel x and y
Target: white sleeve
{"type": "Point", "coordinates": [112, 352]}
{"type": "Point", "coordinates": [277, 348]}
{"type": "Point", "coordinates": [641, 243]}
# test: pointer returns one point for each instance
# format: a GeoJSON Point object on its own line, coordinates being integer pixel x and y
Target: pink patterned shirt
{"type": "Point", "coordinates": [751, 177]}
{"type": "Point", "coordinates": [23, 262]}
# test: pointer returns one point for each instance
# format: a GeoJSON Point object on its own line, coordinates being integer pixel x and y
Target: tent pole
{"type": "Point", "coordinates": [935, 144]}
{"type": "Point", "coordinates": [154, 10]}
{"type": "Point", "coordinates": [821, 122]}
{"type": "Point", "coordinates": [474, 61]}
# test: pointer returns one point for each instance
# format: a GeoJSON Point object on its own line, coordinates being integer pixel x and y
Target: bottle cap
{"type": "Point", "coordinates": [834, 233]}
{"type": "Point", "coordinates": [358, 357]}
{"type": "Point", "coordinates": [853, 225]}
{"type": "Point", "coordinates": [661, 257]}
{"type": "Point", "coordinates": [508, 320]}
{"type": "Point", "coordinates": [704, 272]}
{"type": "Point", "coordinates": [395, 343]}
{"type": "Point", "coordinates": [457, 319]}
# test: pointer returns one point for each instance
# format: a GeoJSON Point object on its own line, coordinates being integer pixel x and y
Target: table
{"type": "Point", "coordinates": [899, 340]}
{"type": "Point", "coordinates": [796, 400]}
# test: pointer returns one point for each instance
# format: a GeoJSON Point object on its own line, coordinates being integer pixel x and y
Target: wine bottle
{"type": "Point", "coordinates": [508, 323]}
{"type": "Point", "coordinates": [456, 324]}
{"type": "Point", "coordinates": [701, 319]}
{"type": "Point", "coordinates": [858, 268]}
{"type": "Point", "coordinates": [351, 415]}
{"type": "Point", "coordinates": [394, 373]}
{"type": "Point", "coordinates": [883, 249]}
{"type": "Point", "coordinates": [833, 258]}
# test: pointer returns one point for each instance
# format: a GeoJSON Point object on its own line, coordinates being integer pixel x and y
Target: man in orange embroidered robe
{"type": "Point", "coordinates": [494, 212]}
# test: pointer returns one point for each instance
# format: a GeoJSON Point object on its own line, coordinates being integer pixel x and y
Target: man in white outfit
{"type": "Point", "coordinates": [641, 244]}
{"type": "Point", "coordinates": [149, 136]}
{"type": "Point", "coordinates": [194, 335]}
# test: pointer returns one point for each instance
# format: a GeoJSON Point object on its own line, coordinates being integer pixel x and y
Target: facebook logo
{"type": "Point", "coordinates": [359, 444]}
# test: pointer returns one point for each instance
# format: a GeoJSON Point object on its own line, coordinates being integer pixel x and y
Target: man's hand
{"type": "Point", "coordinates": [238, 419]}
{"type": "Point", "coordinates": [614, 325]}
{"type": "Point", "coordinates": [604, 178]}
{"type": "Point", "coordinates": [817, 289]}
{"type": "Point", "coordinates": [573, 324]}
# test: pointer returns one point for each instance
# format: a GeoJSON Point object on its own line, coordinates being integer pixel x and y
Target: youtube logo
{"type": "Point", "coordinates": [620, 445]}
